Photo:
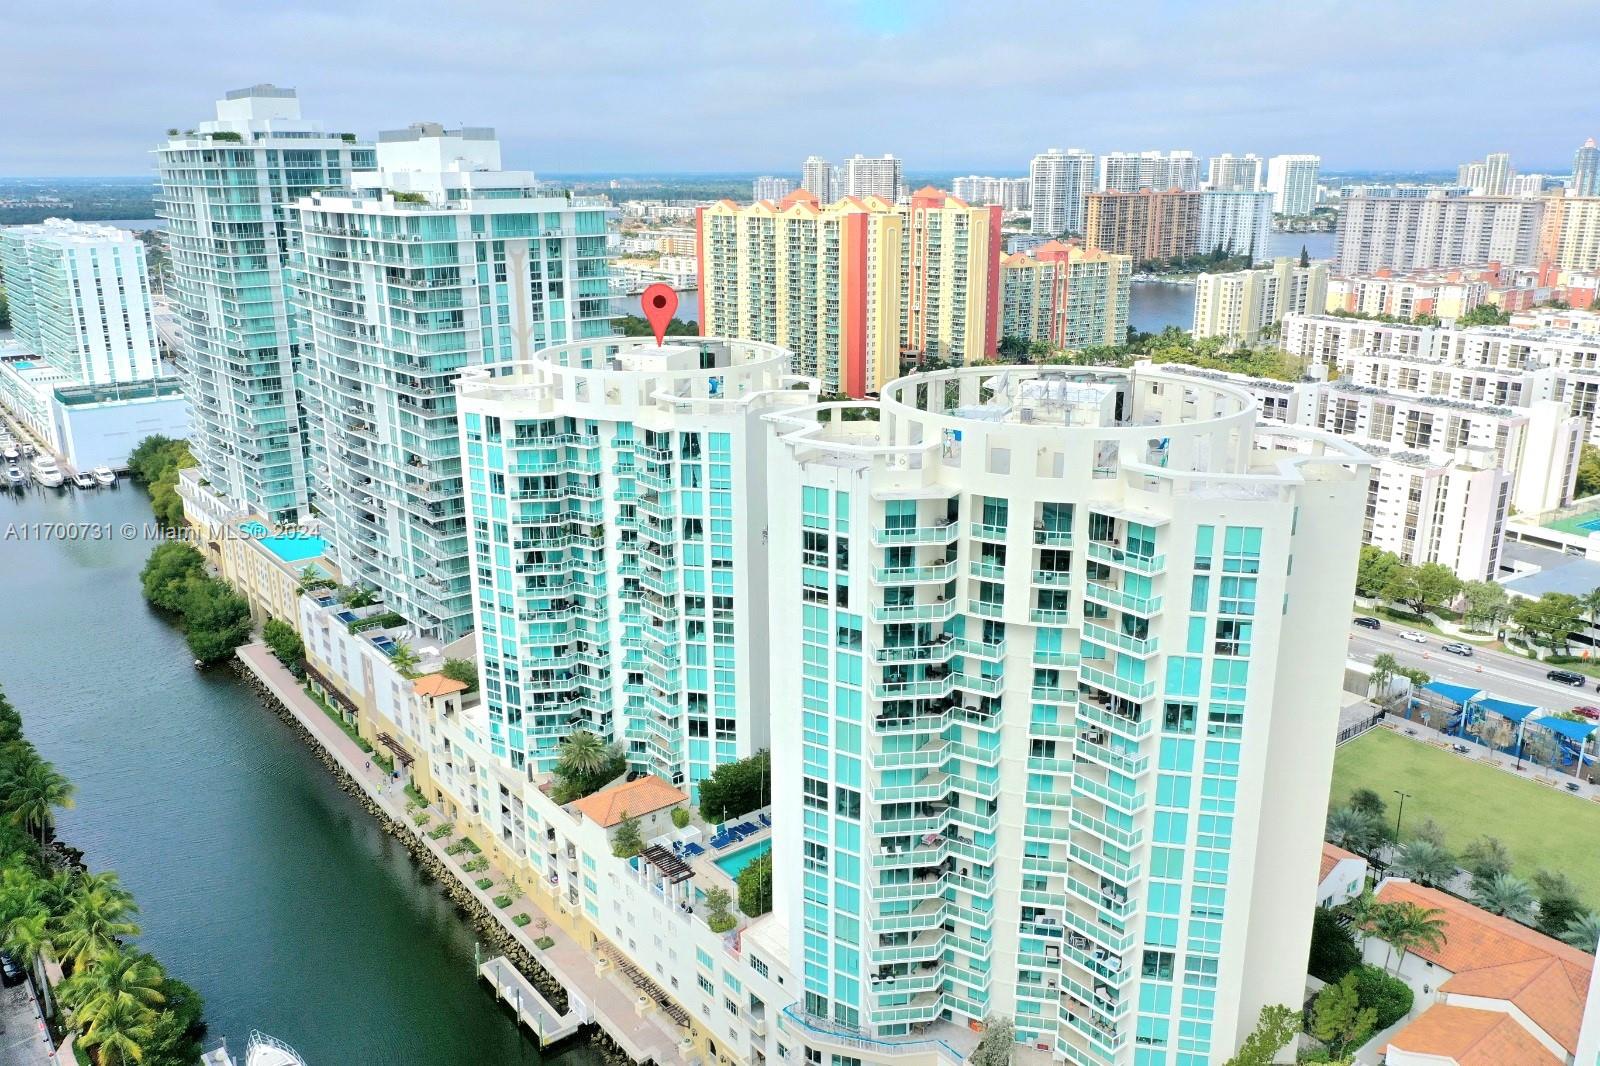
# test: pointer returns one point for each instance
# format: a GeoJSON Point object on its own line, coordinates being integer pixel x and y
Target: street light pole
{"type": "Point", "coordinates": [1398, 814]}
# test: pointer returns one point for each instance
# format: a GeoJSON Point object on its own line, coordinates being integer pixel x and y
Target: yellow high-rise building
{"type": "Point", "coordinates": [1066, 295]}
{"type": "Point", "coordinates": [950, 283]}
{"type": "Point", "coordinates": [1570, 235]}
{"type": "Point", "coordinates": [822, 281]}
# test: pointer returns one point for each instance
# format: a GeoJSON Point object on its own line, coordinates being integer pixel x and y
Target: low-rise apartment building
{"type": "Point", "coordinates": [1241, 304]}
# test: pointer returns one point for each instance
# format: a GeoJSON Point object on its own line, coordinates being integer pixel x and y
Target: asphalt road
{"type": "Point", "coordinates": [1504, 676]}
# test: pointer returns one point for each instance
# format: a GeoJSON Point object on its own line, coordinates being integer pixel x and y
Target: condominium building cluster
{"type": "Point", "coordinates": [1443, 228]}
{"type": "Point", "coordinates": [1012, 194]}
{"type": "Point", "coordinates": [88, 379]}
{"type": "Point", "coordinates": [1241, 306]}
{"type": "Point", "coordinates": [770, 188]}
{"type": "Point", "coordinates": [854, 286]}
{"type": "Point", "coordinates": [1065, 295]}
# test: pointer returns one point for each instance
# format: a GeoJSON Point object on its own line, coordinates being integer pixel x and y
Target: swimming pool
{"type": "Point", "coordinates": [290, 547]}
{"type": "Point", "coordinates": [734, 862]}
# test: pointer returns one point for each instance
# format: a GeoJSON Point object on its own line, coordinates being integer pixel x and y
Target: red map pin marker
{"type": "Point", "coordinates": [660, 303]}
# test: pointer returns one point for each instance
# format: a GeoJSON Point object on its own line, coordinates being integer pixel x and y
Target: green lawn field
{"type": "Point", "coordinates": [1541, 827]}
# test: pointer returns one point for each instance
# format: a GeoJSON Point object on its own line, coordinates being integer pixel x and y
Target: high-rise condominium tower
{"type": "Point", "coordinates": [226, 193]}
{"type": "Point", "coordinates": [80, 299]}
{"type": "Point", "coordinates": [620, 545]}
{"type": "Point", "coordinates": [1489, 176]}
{"type": "Point", "coordinates": [1133, 171]}
{"type": "Point", "coordinates": [816, 178]}
{"type": "Point", "coordinates": [436, 261]}
{"type": "Point", "coordinates": [1586, 170]}
{"type": "Point", "coordinates": [872, 176]}
{"type": "Point", "coordinates": [1038, 760]}
{"type": "Point", "coordinates": [1233, 173]}
{"type": "Point", "coordinates": [1061, 183]}
{"type": "Point", "coordinates": [1292, 180]}
{"type": "Point", "coordinates": [770, 188]}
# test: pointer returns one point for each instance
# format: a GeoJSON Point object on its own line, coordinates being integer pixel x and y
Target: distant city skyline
{"type": "Point", "coordinates": [732, 95]}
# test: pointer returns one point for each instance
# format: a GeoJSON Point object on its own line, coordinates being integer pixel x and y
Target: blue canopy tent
{"type": "Point", "coordinates": [1575, 738]}
{"type": "Point", "coordinates": [1442, 704]}
{"type": "Point", "coordinates": [1515, 713]}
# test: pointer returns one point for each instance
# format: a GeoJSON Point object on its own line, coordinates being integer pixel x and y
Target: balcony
{"type": "Point", "coordinates": [940, 534]}
{"type": "Point", "coordinates": [1126, 802]}
{"type": "Point", "coordinates": [921, 688]}
{"type": "Point", "coordinates": [1088, 748]}
{"type": "Point", "coordinates": [1115, 556]}
{"type": "Point", "coordinates": [1148, 606]}
{"type": "Point", "coordinates": [930, 756]}
{"type": "Point", "coordinates": [1050, 616]}
{"type": "Point", "coordinates": [1143, 647]}
{"type": "Point", "coordinates": [1124, 838]}
{"type": "Point", "coordinates": [988, 532]}
{"type": "Point", "coordinates": [940, 651]}
{"type": "Point", "coordinates": [925, 947]}
{"type": "Point", "coordinates": [1133, 690]}
{"type": "Point", "coordinates": [906, 575]}
{"type": "Point", "coordinates": [1052, 538]}
{"type": "Point", "coordinates": [910, 858]}
{"type": "Point", "coordinates": [1124, 873]}
{"type": "Point", "coordinates": [938, 611]}
{"type": "Point", "coordinates": [1132, 728]}
{"type": "Point", "coordinates": [1056, 579]}
{"type": "Point", "coordinates": [927, 915]}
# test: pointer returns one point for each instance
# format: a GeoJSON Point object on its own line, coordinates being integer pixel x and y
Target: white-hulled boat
{"type": "Point", "coordinates": [262, 1050]}
{"type": "Point", "coordinates": [104, 476]}
{"type": "Point", "coordinates": [16, 478]}
{"type": "Point", "coordinates": [83, 481]}
{"type": "Point", "coordinates": [46, 472]}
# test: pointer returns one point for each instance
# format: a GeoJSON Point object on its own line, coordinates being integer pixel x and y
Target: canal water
{"type": "Point", "coordinates": [1155, 305]}
{"type": "Point", "coordinates": [261, 883]}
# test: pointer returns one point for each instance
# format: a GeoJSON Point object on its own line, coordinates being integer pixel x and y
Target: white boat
{"type": "Point", "coordinates": [16, 477]}
{"type": "Point", "coordinates": [12, 453]}
{"type": "Point", "coordinates": [46, 473]}
{"type": "Point", "coordinates": [262, 1050]}
{"type": "Point", "coordinates": [83, 481]}
{"type": "Point", "coordinates": [104, 476]}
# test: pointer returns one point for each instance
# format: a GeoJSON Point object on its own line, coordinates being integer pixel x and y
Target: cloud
{"type": "Point", "coordinates": [704, 85]}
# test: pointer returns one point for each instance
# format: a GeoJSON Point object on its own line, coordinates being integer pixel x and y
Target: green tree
{"type": "Point", "coordinates": [626, 841]}
{"type": "Point", "coordinates": [1333, 948]}
{"type": "Point", "coordinates": [736, 788]}
{"type": "Point", "coordinates": [167, 572]}
{"type": "Point", "coordinates": [33, 794]}
{"type": "Point", "coordinates": [1426, 863]}
{"type": "Point", "coordinates": [585, 763]}
{"type": "Point", "coordinates": [680, 817]}
{"type": "Point", "coordinates": [637, 326]}
{"type": "Point", "coordinates": [1484, 315]}
{"type": "Point", "coordinates": [1305, 256]}
{"type": "Point", "coordinates": [120, 1034]}
{"type": "Point", "coordinates": [1367, 801]}
{"type": "Point", "coordinates": [1559, 905]}
{"type": "Point", "coordinates": [1275, 1027]}
{"type": "Point", "coordinates": [1339, 1020]}
{"type": "Point", "coordinates": [216, 619]}
{"type": "Point", "coordinates": [1373, 570]}
{"type": "Point", "coordinates": [1583, 932]}
{"type": "Point", "coordinates": [1487, 605]}
{"type": "Point", "coordinates": [1486, 857]}
{"type": "Point", "coordinates": [462, 670]}
{"type": "Point", "coordinates": [1550, 619]}
{"type": "Point", "coordinates": [5, 311]}
{"type": "Point", "coordinates": [405, 659]}
{"type": "Point", "coordinates": [755, 886]}
{"type": "Point", "coordinates": [122, 977]}
{"type": "Point", "coordinates": [1506, 895]}
{"type": "Point", "coordinates": [1384, 667]}
{"type": "Point", "coordinates": [1419, 587]}
{"type": "Point", "coordinates": [357, 596]}
{"type": "Point", "coordinates": [285, 644]}
{"type": "Point", "coordinates": [997, 1043]}
{"type": "Point", "coordinates": [1359, 831]}
{"type": "Point", "coordinates": [1389, 996]}
{"type": "Point", "coordinates": [1588, 480]}
{"type": "Point", "coordinates": [99, 917]}
{"type": "Point", "coordinates": [1406, 927]}
{"type": "Point", "coordinates": [718, 916]}
{"type": "Point", "coordinates": [1011, 348]}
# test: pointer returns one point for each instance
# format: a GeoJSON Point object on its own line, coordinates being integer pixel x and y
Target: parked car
{"type": "Point", "coordinates": [1415, 638]}
{"type": "Point", "coordinates": [1367, 623]}
{"type": "Point", "coordinates": [1565, 677]}
{"type": "Point", "coordinates": [1455, 647]}
{"type": "Point", "coordinates": [11, 973]}
{"type": "Point", "coordinates": [1591, 713]}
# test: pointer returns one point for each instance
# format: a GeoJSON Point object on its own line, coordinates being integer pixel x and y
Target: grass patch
{"type": "Point", "coordinates": [502, 901]}
{"type": "Point", "coordinates": [442, 831]}
{"type": "Point", "coordinates": [1541, 827]}
{"type": "Point", "coordinates": [468, 844]}
{"type": "Point", "coordinates": [422, 818]}
{"type": "Point", "coordinates": [544, 943]}
{"type": "Point", "coordinates": [484, 883]}
{"type": "Point", "coordinates": [414, 795]}
{"type": "Point", "coordinates": [520, 920]}
{"type": "Point", "coordinates": [472, 866]}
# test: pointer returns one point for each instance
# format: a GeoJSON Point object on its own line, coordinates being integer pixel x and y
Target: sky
{"type": "Point", "coordinates": [729, 86]}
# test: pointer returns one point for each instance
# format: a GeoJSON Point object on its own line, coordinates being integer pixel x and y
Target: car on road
{"type": "Point", "coordinates": [11, 974]}
{"type": "Point", "coordinates": [1415, 638]}
{"type": "Point", "coordinates": [1565, 677]}
{"type": "Point", "coordinates": [1591, 713]}
{"type": "Point", "coordinates": [1455, 647]}
{"type": "Point", "coordinates": [1367, 623]}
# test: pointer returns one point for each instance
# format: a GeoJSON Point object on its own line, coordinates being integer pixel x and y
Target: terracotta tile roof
{"type": "Point", "coordinates": [1470, 1037]}
{"type": "Point", "coordinates": [645, 795]}
{"type": "Point", "coordinates": [1495, 958]}
{"type": "Point", "coordinates": [437, 685]}
{"type": "Point", "coordinates": [1332, 855]}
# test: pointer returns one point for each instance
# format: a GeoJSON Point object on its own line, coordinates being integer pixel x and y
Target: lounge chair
{"type": "Point", "coordinates": [766, 820]}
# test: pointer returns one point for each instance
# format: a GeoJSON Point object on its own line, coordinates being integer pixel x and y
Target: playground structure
{"type": "Point", "coordinates": [1476, 717]}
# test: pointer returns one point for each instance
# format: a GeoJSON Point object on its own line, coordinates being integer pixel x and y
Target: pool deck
{"type": "Point", "coordinates": [705, 866]}
{"type": "Point", "coordinates": [1578, 524]}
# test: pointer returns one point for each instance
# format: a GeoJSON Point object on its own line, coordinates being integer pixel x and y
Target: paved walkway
{"type": "Point", "coordinates": [1502, 761]}
{"type": "Point", "coordinates": [24, 1040]}
{"type": "Point", "coordinates": [602, 995]}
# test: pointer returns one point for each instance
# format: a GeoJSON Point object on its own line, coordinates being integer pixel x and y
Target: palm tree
{"type": "Point", "coordinates": [1406, 927]}
{"type": "Point", "coordinates": [1590, 601]}
{"type": "Point", "coordinates": [33, 795]}
{"type": "Point", "coordinates": [120, 1033]}
{"type": "Point", "coordinates": [122, 977]}
{"type": "Point", "coordinates": [1426, 863]}
{"type": "Point", "coordinates": [1583, 932]}
{"type": "Point", "coordinates": [1353, 829]}
{"type": "Point", "coordinates": [28, 939]}
{"type": "Point", "coordinates": [1506, 895]}
{"type": "Point", "coordinates": [405, 659]}
{"type": "Point", "coordinates": [1383, 668]}
{"type": "Point", "coordinates": [583, 754]}
{"type": "Point", "coordinates": [99, 916]}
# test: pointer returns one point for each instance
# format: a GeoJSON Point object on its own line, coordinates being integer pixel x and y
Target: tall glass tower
{"type": "Point", "coordinates": [227, 191]}
{"type": "Point", "coordinates": [1057, 708]}
{"type": "Point", "coordinates": [435, 261]}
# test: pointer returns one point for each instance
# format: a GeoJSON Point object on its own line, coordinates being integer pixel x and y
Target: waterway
{"type": "Point", "coordinates": [261, 883]}
{"type": "Point", "coordinates": [1155, 305]}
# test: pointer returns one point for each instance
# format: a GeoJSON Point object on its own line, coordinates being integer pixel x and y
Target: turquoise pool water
{"type": "Point", "coordinates": [23, 364]}
{"type": "Point", "coordinates": [290, 547]}
{"type": "Point", "coordinates": [734, 862]}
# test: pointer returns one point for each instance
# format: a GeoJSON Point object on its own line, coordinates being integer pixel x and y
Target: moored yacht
{"type": "Point", "coordinates": [16, 478]}
{"type": "Point", "coordinates": [104, 476]}
{"type": "Point", "coordinates": [46, 472]}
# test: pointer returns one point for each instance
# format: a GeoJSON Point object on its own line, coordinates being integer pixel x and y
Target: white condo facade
{"type": "Point", "coordinates": [1054, 578]}
{"type": "Point", "coordinates": [770, 188]}
{"type": "Point", "coordinates": [1240, 305]}
{"type": "Point", "coordinates": [227, 192]}
{"type": "Point", "coordinates": [1490, 176]}
{"type": "Point", "coordinates": [1132, 171]}
{"type": "Point", "coordinates": [435, 261]}
{"type": "Point", "coordinates": [1292, 181]}
{"type": "Point", "coordinates": [1011, 194]}
{"type": "Point", "coordinates": [1060, 185]}
{"type": "Point", "coordinates": [866, 176]}
{"type": "Point", "coordinates": [1234, 173]}
{"type": "Point", "coordinates": [817, 178]}
{"type": "Point", "coordinates": [1239, 223]}
{"type": "Point", "coordinates": [1440, 228]}
{"type": "Point", "coordinates": [80, 299]}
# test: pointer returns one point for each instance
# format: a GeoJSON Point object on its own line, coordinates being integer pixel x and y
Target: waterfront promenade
{"type": "Point", "coordinates": [596, 992]}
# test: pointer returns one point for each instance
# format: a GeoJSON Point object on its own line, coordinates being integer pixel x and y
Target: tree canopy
{"type": "Point", "coordinates": [736, 788]}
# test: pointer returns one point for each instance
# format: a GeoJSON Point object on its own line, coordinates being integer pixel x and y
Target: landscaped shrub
{"type": "Point", "coordinates": [680, 817]}
{"type": "Point", "coordinates": [1333, 948]}
{"type": "Point", "coordinates": [484, 883]}
{"type": "Point", "coordinates": [444, 830]}
{"type": "Point", "coordinates": [520, 920]}
{"type": "Point", "coordinates": [502, 901]}
{"type": "Point", "coordinates": [544, 943]}
{"type": "Point", "coordinates": [1389, 996]}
